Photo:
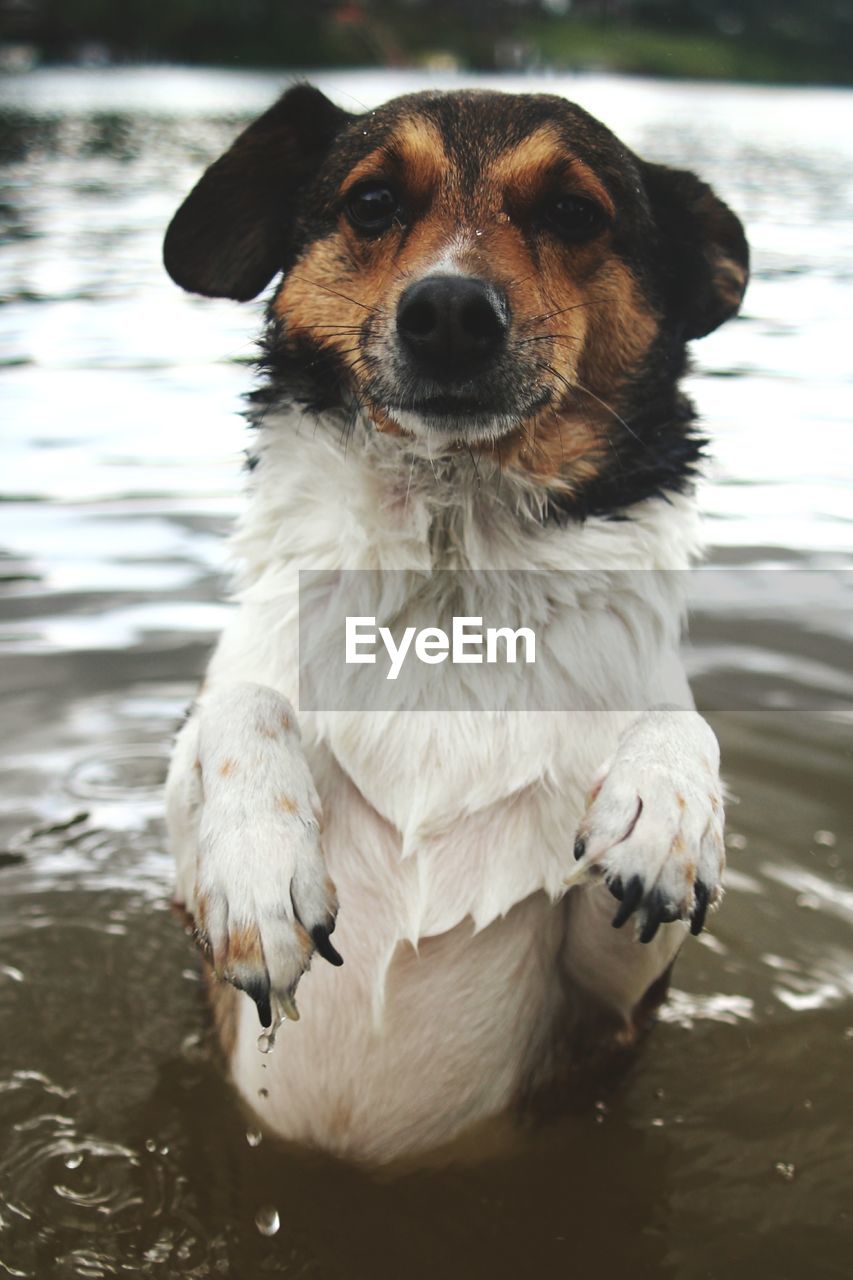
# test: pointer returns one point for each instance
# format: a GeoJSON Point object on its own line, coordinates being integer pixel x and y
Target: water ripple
{"type": "Point", "coordinates": [138, 768]}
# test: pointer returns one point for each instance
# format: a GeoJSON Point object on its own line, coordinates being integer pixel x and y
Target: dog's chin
{"type": "Point", "coordinates": [450, 423]}
{"type": "Point", "coordinates": [452, 430]}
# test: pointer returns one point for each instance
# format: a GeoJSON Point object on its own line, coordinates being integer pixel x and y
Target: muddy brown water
{"type": "Point", "coordinates": [725, 1151]}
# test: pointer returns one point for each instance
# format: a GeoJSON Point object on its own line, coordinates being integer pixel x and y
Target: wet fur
{"type": "Point", "coordinates": [472, 978]}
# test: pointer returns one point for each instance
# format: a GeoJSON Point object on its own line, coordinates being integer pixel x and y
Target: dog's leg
{"type": "Point", "coordinates": [183, 809]}
{"type": "Point", "coordinates": [650, 847]}
{"type": "Point", "coordinates": [244, 823]}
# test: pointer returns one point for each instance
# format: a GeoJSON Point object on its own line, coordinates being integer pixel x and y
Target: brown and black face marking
{"type": "Point", "coordinates": [494, 272]}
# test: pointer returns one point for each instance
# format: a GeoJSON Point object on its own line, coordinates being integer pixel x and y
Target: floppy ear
{"type": "Point", "coordinates": [704, 249]}
{"type": "Point", "coordinates": [231, 234]}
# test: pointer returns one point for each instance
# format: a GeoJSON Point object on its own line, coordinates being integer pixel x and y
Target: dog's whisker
{"type": "Point", "coordinates": [515, 284]}
{"type": "Point", "coordinates": [576, 306]}
{"type": "Point", "coordinates": [318, 284]}
{"type": "Point", "coordinates": [473, 461]}
{"type": "Point", "coordinates": [609, 408]}
{"type": "Point", "coordinates": [550, 337]}
{"type": "Point", "coordinates": [333, 331]}
{"type": "Point", "coordinates": [574, 387]}
{"type": "Point", "coordinates": [572, 391]}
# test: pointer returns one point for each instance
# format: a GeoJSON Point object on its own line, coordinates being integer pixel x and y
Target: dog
{"type": "Point", "coordinates": [471, 362]}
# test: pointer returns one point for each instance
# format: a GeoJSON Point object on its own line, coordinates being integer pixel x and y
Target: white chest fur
{"type": "Point", "coordinates": [441, 779]}
{"type": "Point", "coordinates": [441, 821]}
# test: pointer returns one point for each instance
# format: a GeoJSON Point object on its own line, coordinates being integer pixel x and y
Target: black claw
{"type": "Point", "coordinates": [617, 888]}
{"type": "Point", "coordinates": [580, 847]}
{"type": "Point", "coordinates": [258, 989]}
{"type": "Point", "coordinates": [264, 1012]}
{"type": "Point", "coordinates": [320, 934]}
{"type": "Point", "coordinates": [630, 901]}
{"type": "Point", "coordinates": [658, 912]}
{"type": "Point", "coordinates": [650, 928]}
{"type": "Point", "coordinates": [700, 910]}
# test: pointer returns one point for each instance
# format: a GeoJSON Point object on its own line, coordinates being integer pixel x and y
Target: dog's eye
{"type": "Point", "coordinates": [371, 206]}
{"type": "Point", "coordinates": [574, 217]}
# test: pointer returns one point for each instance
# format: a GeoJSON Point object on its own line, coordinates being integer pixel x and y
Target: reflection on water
{"type": "Point", "coordinates": [722, 1154]}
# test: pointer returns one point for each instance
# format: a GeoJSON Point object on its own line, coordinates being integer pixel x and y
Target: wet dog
{"type": "Point", "coordinates": [471, 362]}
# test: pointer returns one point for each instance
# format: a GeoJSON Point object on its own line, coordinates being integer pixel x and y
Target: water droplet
{"type": "Point", "coordinates": [267, 1220]}
{"type": "Point", "coordinates": [785, 1170]}
{"type": "Point", "coordinates": [266, 1040]}
{"type": "Point", "coordinates": [503, 217]}
{"type": "Point", "coordinates": [150, 1144]}
{"type": "Point", "coordinates": [74, 1160]}
{"type": "Point", "coordinates": [825, 838]}
{"type": "Point", "coordinates": [478, 233]}
{"type": "Point", "coordinates": [254, 1137]}
{"type": "Point", "coordinates": [164, 1151]}
{"type": "Point", "coordinates": [658, 1122]}
{"type": "Point", "coordinates": [810, 901]}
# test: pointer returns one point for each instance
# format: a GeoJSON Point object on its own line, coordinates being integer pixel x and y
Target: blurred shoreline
{"type": "Point", "coordinates": [762, 43]}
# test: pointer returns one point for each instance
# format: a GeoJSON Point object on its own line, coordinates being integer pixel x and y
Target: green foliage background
{"type": "Point", "coordinates": [807, 41]}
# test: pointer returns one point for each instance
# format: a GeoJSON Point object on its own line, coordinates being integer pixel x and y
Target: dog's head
{"type": "Point", "coordinates": [489, 270]}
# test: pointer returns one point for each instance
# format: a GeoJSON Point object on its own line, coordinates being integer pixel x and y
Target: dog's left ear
{"type": "Point", "coordinates": [231, 234]}
{"type": "Point", "coordinates": [705, 253]}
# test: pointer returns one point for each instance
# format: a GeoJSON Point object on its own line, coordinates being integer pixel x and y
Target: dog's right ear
{"type": "Point", "coordinates": [231, 234]}
{"type": "Point", "coordinates": [704, 246]}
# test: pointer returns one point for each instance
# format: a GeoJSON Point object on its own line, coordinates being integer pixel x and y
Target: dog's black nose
{"type": "Point", "coordinates": [451, 325]}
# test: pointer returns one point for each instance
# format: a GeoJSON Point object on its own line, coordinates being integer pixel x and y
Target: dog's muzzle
{"type": "Point", "coordinates": [454, 372]}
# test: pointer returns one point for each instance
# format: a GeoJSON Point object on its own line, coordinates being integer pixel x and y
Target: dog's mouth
{"type": "Point", "coordinates": [466, 418]}
{"type": "Point", "coordinates": [450, 406]}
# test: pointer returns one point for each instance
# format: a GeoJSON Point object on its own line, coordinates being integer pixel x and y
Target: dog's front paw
{"type": "Point", "coordinates": [653, 826]}
{"type": "Point", "coordinates": [263, 899]}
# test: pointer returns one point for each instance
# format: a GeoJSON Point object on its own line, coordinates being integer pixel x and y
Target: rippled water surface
{"type": "Point", "coordinates": [725, 1152]}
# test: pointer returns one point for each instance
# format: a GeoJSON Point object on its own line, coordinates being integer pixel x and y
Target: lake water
{"type": "Point", "coordinates": [725, 1153]}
